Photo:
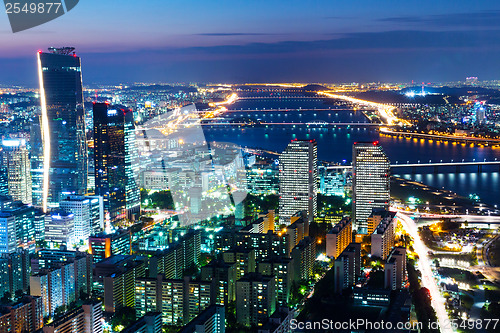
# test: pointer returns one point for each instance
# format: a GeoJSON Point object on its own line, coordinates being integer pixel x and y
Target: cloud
{"type": "Point", "coordinates": [484, 19]}
{"type": "Point", "coordinates": [365, 57]}
{"type": "Point", "coordinates": [220, 34]}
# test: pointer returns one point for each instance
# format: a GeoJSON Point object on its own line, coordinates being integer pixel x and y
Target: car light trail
{"type": "Point", "coordinates": [428, 281]}
{"type": "Point", "coordinates": [385, 111]}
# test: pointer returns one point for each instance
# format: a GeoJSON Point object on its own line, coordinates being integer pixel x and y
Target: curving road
{"type": "Point", "coordinates": [428, 280]}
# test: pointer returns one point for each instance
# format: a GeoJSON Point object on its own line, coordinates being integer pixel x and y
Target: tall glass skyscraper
{"type": "Point", "coordinates": [16, 159]}
{"type": "Point", "coordinates": [298, 173]}
{"type": "Point", "coordinates": [370, 180]}
{"type": "Point", "coordinates": [116, 161]}
{"type": "Point", "coordinates": [63, 125]}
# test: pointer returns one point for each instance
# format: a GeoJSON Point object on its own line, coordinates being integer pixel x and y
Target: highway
{"type": "Point", "coordinates": [440, 136]}
{"type": "Point", "coordinates": [287, 124]}
{"type": "Point", "coordinates": [284, 110]}
{"type": "Point", "coordinates": [430, 164]}
{"type": "Point", "coordinates": [385, 111]}
{"type": "Point", "coordinates": [483, 263]}
{"type": "Point", "coordinates": [428, 280]}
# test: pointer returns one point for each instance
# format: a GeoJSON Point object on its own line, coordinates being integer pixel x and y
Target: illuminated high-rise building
{"type": "Point", "coordinates": [115, 161]}
{"type": "Point", "coordinates": [62, 125]}
{"type": "Point", "coordinates": [36, 157]}
{"type": "Point", "coordinates": [298, 173]}
{"type": "Point", "coordinates": [17, 162]}
{"type": "Point", "coordinates": [370, 180]}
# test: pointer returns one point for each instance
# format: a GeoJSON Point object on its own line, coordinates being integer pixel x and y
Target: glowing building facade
{"type": "Point", "coordinates": [115, 161]}
{"type": "Point", "coordinates": [298, 173]}
{"type": "Point", "coordinates": [62, 125]}
{"type": "Point", "coordinates": [371, 182]}
{"type": "Point", "coordinates": [16, 159]}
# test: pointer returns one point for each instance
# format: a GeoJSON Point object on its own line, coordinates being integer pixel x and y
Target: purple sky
{"type": "Point", "coordinates": [265, 40]}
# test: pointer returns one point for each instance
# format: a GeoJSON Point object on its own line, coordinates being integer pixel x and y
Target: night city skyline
{"type": "Point", "coordinates": [250, 166]}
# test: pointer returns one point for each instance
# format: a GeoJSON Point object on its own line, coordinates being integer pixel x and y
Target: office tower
{"type": "Point", "coordinates": [255, 299]}
{"type": "Point", "coordinates": [395, 269]}
{"type": "Point", "coordinates": [479, 113]}
{"type": "Point", "coordinates": [347, 267]}
{"type": "Point", "coordinates": [339, 237]}
{"type": "Point", "coordinates": [96, 214]}
{"type": "Point", "coordinates": [60, 228]}
{"type": "Point", "coordinates": [332, 181]}
{"type": "Point", "coordinates": [63, 125]}
{"type": "Point", "coordinates": [371, 182]}
{"type": "Point", "coordinates": [282, 270]}
{"type": "Point", "coordinates": [24, 224]}
{"type": "Point", "coordinates": [4, 181]}
{"type": "Point", "coordinates": [298, 173]}
{"type": "Point", "coordinates": [85, 319]}
{"type": "Point", "coordinates": [115, 161]}
{"type": "Point", "coordinates": [384, 236]}
{"type": "Point", "coordinates": [262, 179]}
{"type": "Point", "coordinates": [22, 316]}
{"type": "Point", "coordinates": [213, 320]}
{"type": "Point", "coordinates": [16, 159]}
{"type": "Point", "coordinates": [104, 245]}
{"type": "Point", "coordinates": [156, 180]}
{"type": "Point", "coordinates": [88, 214]}
{"type": "Point", "coordinates": [304, 256]}
{"type": "Point", "coordinates": [36, 156]}
{"type": "Point", "coordinates": [7, 233]}
{"type": "Point", "coordinates": [149, 323]}
{"type": "Point", "coordinates": [39, 225]}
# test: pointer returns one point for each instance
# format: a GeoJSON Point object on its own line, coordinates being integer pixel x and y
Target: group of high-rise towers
{"type": "Point", "coordinates": [64, 157]}
{"type": "Point", "coordinates": [298, 171]}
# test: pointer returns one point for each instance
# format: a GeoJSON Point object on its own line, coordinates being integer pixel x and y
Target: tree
{"type": "Point", "coordinates": [123, 317]}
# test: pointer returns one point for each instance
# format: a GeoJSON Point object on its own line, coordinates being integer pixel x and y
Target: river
{"type": "Point", "coordinates": [335, 144]}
